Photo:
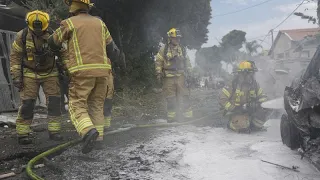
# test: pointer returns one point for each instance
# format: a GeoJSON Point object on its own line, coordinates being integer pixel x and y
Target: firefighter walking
{"type": "Point", "coordinates": [172, 68]}
{"type": "Point", "coordinates": [32, 66]}
{"type": "Point", "coordinates": [88, 68]}
{"type": "Point", "coordinates": [241, 100]}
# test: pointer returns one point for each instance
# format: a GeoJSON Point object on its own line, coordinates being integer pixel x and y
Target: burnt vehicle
{"type": "Point", "coordinates": [300, 126]}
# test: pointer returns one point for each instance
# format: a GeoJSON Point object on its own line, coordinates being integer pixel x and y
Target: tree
{"type": "Point", "coordinates": [57, 9]}
{"type": "Point", "coordinates": [230, 45]}
{"type": "Point", "coordinates": [208, 59]}
{"type": "Point", "coordinates": [312, 19]}
{"type": "Point", "coordinates": [138, 26]}
{"type": "Point", "coordinates": [234, 39]}
{"type": "Point", "coordinates": [252, 47]}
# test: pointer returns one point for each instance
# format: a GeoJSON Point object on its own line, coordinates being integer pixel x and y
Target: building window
{"type": "Point", "coordinates": [305, 54]}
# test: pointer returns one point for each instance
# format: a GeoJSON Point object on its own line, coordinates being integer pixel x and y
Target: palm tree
{"type": "Point", "coordinates": [252, 47]}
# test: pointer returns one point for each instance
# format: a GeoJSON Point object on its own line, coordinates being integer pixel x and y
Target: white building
{"type": "Point", "coordinates": [292, 44]}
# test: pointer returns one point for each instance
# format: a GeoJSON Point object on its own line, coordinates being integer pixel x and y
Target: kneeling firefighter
{"type": "Point", "coordinates": [173, 68]}
{"type": "Point", "coordinates": [242, 99]}
{"type": "Point", "coordinates": [34, 65]}
{"type": "Point", "coordinates": [88, 40]}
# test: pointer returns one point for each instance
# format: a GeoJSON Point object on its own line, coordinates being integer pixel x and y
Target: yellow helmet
{"type": "Point", "coordinates": [37, 20]}
{"type": "Point", "coordinates": [78, 4]}
{"type": "Point", "coordinates": [245, 66]}
{"type": "Point", "coordinates": [69, 2]}
{"type": "Point", "coordinates": [174, 32]}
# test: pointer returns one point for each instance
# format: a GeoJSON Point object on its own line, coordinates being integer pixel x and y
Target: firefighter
{"type": "Point", "coordinates": [242, 99]}
{"type": "Point", "coordinates": [32, 66]}
{"type": "Point", "coordinates": [107, 109]}
{"type": "Point", "coordinates": [173, 67]}
{"type": "Point", "coordinates": [88, 41]}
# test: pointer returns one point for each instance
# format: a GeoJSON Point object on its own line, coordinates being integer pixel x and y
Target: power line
{"type": "Point", "coordinates": [289, 14]}
{"type": "Point", "coordinates": [264, 38]}
{"type": "Point", "coordinates": [283, 20]}
{"type": "Point", "coordinates": [255, 38]}
{"type": "Point", "coordinates": [258, 37]}
{"type": "Point", "coordinates": [240, 10]}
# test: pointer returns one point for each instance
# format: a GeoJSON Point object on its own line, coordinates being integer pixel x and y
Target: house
{"type": "Point", "coordinates": [294, 43]}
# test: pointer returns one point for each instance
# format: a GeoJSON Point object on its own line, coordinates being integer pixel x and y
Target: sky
{"type": "Point", "coordinates": [257, 21]}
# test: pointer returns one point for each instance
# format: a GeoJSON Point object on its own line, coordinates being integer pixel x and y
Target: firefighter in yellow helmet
{"type": "Point", "coordinates": [242, 98]}
{"type": "Point", "coordinates": [88, 42]}
{"type": "Point", "coordinates": [33, 65]}
{"type": "Point", "coordinates": [172, 68]}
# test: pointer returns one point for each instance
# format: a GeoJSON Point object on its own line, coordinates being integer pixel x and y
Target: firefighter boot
{"type": "Point", "coordinates": [171, 109]}
{"type": "Point", "coordinates": [187, 111]}
{"type": "Point", "coordinates": [54, 117]}
{"type": "Point", "coordinates": [24, 120]}
{"type": "Point", "coordinates": [89, 141]}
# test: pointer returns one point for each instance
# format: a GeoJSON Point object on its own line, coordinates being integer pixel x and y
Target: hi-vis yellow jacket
{"type": "Point", "coordinates": [230, 98]}
{"type": "Point", "coordinates": [87, 38]}
{"type": "Point", "coordinates": [174, 63]}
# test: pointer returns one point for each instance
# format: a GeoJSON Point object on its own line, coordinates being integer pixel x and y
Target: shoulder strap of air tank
{"type": "Point", "coordinates": [24, 40]}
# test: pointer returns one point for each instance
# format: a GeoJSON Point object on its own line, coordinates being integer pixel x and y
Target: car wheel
{"type": "Point", "coordinates": [290, 135]}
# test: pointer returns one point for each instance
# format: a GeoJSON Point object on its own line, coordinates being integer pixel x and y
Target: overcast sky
{"type": "Point", "coordinates": [255, 21]}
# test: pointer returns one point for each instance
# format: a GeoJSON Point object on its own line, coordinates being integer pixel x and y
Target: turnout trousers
{"type": "Point", "coordinates": [28, 96]}
{"type": "Point", "coordinates": [86, 101]}
{"type": "Point", "coordinates": [175, 90]}
{"type": "Point", "coordinates": [107, 110]}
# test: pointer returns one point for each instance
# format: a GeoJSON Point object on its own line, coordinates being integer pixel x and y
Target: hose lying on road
{"type": "Point", "coordinates": [69, 144]}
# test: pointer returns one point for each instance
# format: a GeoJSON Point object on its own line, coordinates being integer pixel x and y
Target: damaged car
{"type": "Point", "coordinates": [300, 125]}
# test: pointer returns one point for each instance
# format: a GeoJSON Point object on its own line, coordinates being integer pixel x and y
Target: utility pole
{"type": "Point", "coordinates": [271, 31]}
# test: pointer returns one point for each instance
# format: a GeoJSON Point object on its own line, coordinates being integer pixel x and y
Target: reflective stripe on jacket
{"type": "Point", "coordinates": [173, 63]}
{"type": "Point", "coordinates": [48, 68]}
{"type": "Point", "coordinates": [240, 96]}
{"type": "Point", "coordinates": [87, 38]}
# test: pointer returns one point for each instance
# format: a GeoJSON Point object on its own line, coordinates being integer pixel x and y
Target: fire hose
{"type": "Point", "coordinates": [70, 144]}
